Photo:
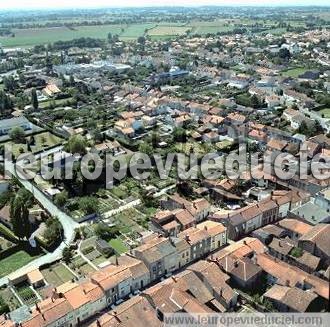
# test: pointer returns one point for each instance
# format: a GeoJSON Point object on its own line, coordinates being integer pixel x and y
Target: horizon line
{"type": "Point", "coordinates": [163, 6]}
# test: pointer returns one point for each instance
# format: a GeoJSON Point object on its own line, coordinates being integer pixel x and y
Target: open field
{"type": "Point", "coordinates": [221, 25]}
{"type": "Point", "coordinates": [45, 35]}
{"type": "Point", "coordinates": [167, 30]}
{"type": "Point", "coordinates": [14, 261]}
{"type": "Point", "coordinates": [34, 36]}
{"type": "Point", "coordinates": [135, 30]}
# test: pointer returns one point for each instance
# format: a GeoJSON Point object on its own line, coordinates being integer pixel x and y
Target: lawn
{"type": "Point", "coordinates": [14, 262]}
{"type": "Point", "coordinates": [295, 72]}
{"type": "Point", "coordinates": [118, 245]}
{"type": "Point", "coordinates": [42, 141]}
{"type": "Point", "coordinates": [48, 104]}
{"type": "Point", "coordinates": [57, 275]}
{"type": "Point", "coordinates": [325, 113]}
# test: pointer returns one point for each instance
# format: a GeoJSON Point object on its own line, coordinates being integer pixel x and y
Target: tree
{"type": "Point", "coordinates": [141, 40]}
{"type": "Point", "coordinates": [76, 144]}
{"type": "Point", "coordinates": [72, 81]}
{"type": "Point", "coordinates": [5, 102]}
{"type": "Point", "coordinates": [184, 188]}
{"type": "Point", "coordinates": [145, 148]}
{"type": "Point", "coordinates": [61, 198]}
{"type": "Point", "coordinates": [17, 134]}
{"type": "Point", "coordinates": [54, 230]}
{"type": "Point", "coordinates": [34, 99]}
{"type": "Point", "coordinates": [106, 232]}
{"type": "Point", "coordinates": [19, 213]}
{"type": "Point", "coordinates": [155, 138]}
{"type": "Point", "coordinates": [179, 134]}
{"type": "Point", "coordinates": [67, 255]}
{"type": "Point", "coordinates": [284, 53]}
{"type": "Point", "coordinates": [88, 204]}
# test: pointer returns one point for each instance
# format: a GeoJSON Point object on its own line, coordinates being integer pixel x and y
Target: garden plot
{"type": "Point", "coordinates": [80, 266]}
{"type": "Point", "coordinates": [27, 294]}
{"type": "Point", "coordinates": [57, 275]}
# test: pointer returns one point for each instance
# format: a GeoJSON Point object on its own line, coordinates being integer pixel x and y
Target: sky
{"type": "Point", "coordinates": [32, 4]}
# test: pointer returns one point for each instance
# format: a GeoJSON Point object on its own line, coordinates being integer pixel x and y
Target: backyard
{"type": "Point", "coordinates": [80, 266]}
{"type": "Point", "coordinates": [42, 141]}
{"type": "Point", "coordinates": [57, 274]}
{"type": "Point", "coordinates": [14, 262]}
{"type": "Point", "coordinates": [9, 298]}
{"type": "Point", "coordinates": [27, 294]}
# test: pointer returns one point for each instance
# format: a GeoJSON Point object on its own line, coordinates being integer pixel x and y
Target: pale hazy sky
{"type": "Point", "coordinates": [27, 4]}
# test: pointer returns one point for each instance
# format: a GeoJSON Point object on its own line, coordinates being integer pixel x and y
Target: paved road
{"type": "Point", "coordinates": [69, 225]}
{"type": "Point", "coordinates": [122, 208]}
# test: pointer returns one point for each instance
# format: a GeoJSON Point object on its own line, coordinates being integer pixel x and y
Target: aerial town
{"type": "Point", "coordinates": [126, 252]}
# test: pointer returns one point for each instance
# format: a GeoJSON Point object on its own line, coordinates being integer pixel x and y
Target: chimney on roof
{"type": "Point", "coordinates": [187, 238]}
{"type": "Point", "coordinates": [205, 227]}
{"type": "Point", "coordinates": [174, 279]}
{"type": "Point", "coordinates": [98, 324]}
{"type": "Point", "coordinates": [236, 264]}
{"type": "Point", "coordinates": [43, 317]}
{"type": "Point", "coordinates": [244, 242]}
{"type": "Point", "coordinates": [37, 307]}
{"type": "Point", "coordinates": [220, 292]}
{"type": "Point", "coordinates": [117, 263]}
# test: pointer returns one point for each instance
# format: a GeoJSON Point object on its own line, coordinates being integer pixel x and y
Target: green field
{"type": "Point", "coordinates": [295, 72]}
{"type": "Point", "coordinates": [14, 262]}
{"type": "Point", "coordinates": [167, 30]}
{"type": "Point", "coordinates": [34, 36]}
{"type": "Point", "coordinates": [205, 27]}
{"type": "Point", "coordinates": [133, 31]}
